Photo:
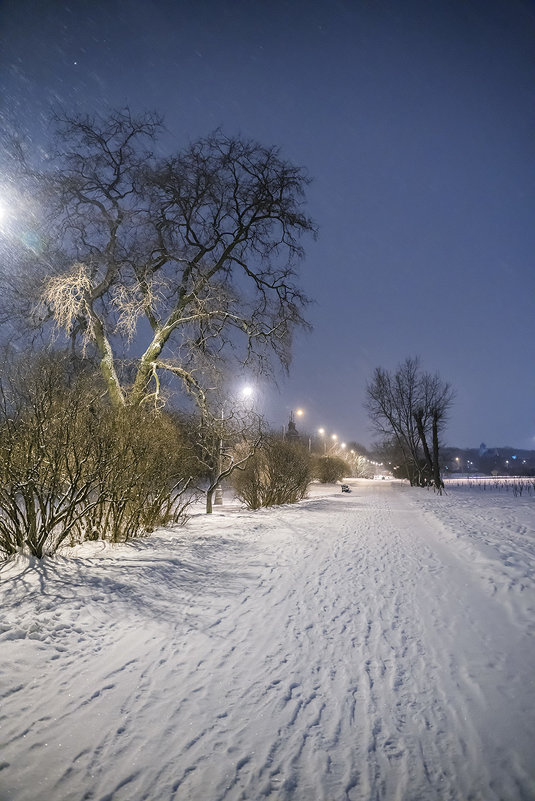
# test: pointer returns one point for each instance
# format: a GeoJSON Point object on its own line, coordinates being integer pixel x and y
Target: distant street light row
{"type": "Point", "coordinates": [334, 437]}
{"type": "Point", "coordinates": [321, 431]}
{"type": "Point", "coordinates": [336, 447]}
{"type": "Point", "coordinates": [246, 392]}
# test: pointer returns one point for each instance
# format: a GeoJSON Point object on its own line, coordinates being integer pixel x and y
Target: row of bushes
{"type": "Point", "coordinates": [281, 471]}
{"type": "Point", "coordinates": [73, 468]}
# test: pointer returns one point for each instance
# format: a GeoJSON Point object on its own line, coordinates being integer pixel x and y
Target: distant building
{"type": "Point", "coordinates": [292, 433]}
{"type": "Point", "coordinates": [489, 460]}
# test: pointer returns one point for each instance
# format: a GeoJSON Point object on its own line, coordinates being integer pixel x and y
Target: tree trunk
{"type": "Point", "coordinates": [145, 370]}
{"type": "Point", "coordinates": [107, 365]}
{"type": "Point", "coordinates": [421, 433]}
{"type": "Point", "coordinates": [439, 484]}
{"type": "Point", "coordinates": [209, 500]}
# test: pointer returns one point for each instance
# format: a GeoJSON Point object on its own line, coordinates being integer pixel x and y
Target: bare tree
{"type": "Point", "coordinates": [193, 256]}
{"type": "Point", "coordinates": [430, 414]}
{"type": "Point", "coordinates": [406, 408]}
{"type": "Point", "coordinates": [224, 441]}
{"type": "Point", "coordinates": [47, 471]}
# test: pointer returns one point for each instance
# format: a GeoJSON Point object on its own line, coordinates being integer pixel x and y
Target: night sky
{"type": "Point", "coordinates": [415, 119]}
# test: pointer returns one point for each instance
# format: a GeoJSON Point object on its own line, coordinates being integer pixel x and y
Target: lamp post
{"type": "Point", "coordinates": [300, 413]}
{"type": "Point", "coordinates": [218, 495]}
{"type": "Point", "coordinates": [246, 392]}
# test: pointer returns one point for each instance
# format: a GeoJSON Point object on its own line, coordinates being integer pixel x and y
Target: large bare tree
{"type": "Point", "coordinates": [169, 264]}
{"type": "Point", "coordinates": [407, 408]}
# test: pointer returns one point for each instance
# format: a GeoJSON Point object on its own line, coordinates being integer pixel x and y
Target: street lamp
{"type": "Point", "coordinates": [292, 430]}
{"type": "Point", "coordinates": [246, 392]}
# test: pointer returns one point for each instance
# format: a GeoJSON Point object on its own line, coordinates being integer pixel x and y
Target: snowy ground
{"type": "Point", "coordinates": [377, 645]}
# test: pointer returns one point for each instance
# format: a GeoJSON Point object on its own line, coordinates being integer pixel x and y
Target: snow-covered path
{"type": "Point", "coordinates": [358, 647]}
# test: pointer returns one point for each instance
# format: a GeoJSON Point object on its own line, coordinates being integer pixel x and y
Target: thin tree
{"type": "Point", "coordinates": [224, 443]}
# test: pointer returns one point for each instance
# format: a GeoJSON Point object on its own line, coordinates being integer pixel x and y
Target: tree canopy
{"type": "Point", "coordinates": [176, 264]}
{"type": "Point", "coordinates": [406, 408]}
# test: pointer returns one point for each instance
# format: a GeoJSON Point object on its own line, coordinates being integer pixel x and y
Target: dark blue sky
{"type": "Point", "coordinates": [415, 120]}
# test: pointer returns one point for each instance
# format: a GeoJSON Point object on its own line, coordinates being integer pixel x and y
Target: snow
{"type": "Point", "coordinates": [376, 645]}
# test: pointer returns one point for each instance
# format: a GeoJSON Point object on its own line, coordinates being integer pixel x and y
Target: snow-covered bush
{"type": "Point", "coordinates": [279, 472]}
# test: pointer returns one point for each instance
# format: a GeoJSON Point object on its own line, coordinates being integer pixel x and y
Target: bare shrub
{"type": "Point", "coordinates": [278, 473]}
{"type": "Point", "coordinates": [72, 468]}
{"type": "Point", "coordinates": [329, 469]}
{"type": "Point", "coordinates": [144, 471]}
{"type": "Point", "coordinates": [47, 475]}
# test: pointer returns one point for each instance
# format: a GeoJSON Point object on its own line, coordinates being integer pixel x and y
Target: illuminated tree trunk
{"type": "Point", "coordinates": [107, 363]}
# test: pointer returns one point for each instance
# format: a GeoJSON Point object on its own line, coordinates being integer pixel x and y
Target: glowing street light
{"type": "Point", "coordinates": [246, 392]}
{"type": "Point", "coordinates": [300, 413]}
